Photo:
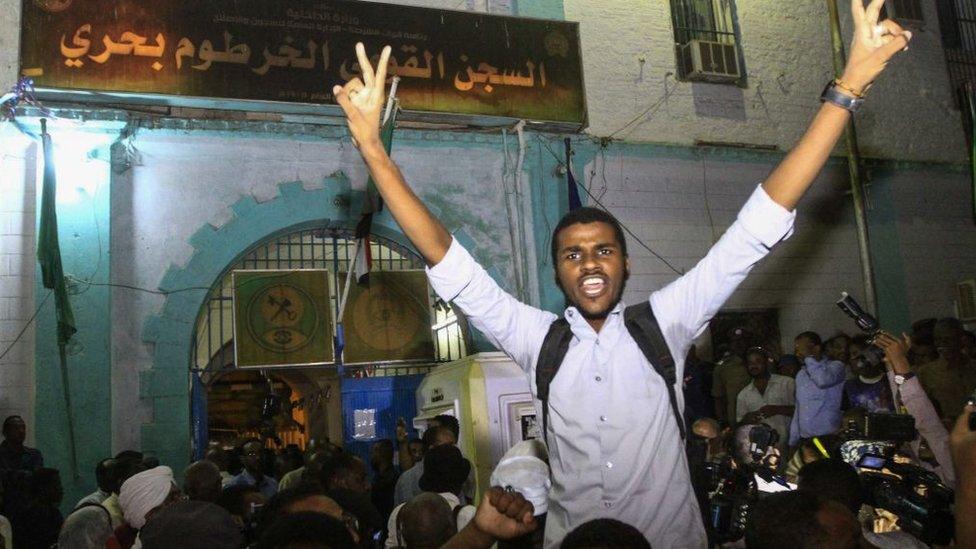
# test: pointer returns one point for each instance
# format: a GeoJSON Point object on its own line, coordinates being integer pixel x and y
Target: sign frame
{"type": "Point", "coordinates": [328, 318]}
{"type": "Point", "coordinates": [457, 80]}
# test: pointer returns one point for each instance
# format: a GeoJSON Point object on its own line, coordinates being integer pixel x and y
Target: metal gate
{"type": "Point", "coordinates": [323, 248]}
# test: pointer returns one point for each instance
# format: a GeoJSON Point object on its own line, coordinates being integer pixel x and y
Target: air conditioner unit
{"type": "Point", "coordinates": [904, 10]}
{"type": "Point", "coordinates": [709, 61]}
{"type": "Point", "coordinates": [966, 300]}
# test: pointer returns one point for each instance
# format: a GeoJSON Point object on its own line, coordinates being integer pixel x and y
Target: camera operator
{"type": "Point", "coordinates": [769, 398]}
{"type": "Point", "coordinates": [728, 489]}
{"type": "Point", "coordinates": [911, 398]}
{"type": "Point", "coordinates": [870, 388]}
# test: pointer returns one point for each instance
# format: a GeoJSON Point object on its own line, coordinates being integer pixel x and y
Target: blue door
{"type": "Point", "coordinates": [384, 400]}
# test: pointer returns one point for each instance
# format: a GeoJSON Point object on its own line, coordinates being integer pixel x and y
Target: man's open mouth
{"type": "Point", "coordinates": [593, 286]}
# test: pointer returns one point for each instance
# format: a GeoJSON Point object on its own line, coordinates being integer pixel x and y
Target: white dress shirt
{"type": "Point", "coordinates": [614, 446]}
{"type": "Point", "coordinates": [780, 391]}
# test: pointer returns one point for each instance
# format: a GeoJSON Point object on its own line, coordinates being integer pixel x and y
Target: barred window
{"type": "Point", "coordinates": [706, 41]}
{"type": "Point", "coordinates": [957, 19]}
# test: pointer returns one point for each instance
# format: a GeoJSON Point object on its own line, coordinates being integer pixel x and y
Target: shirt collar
{"type": "Point", "coordinates": [581, 328]}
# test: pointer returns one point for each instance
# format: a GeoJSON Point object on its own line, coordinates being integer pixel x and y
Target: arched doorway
{"type": "Point", "coordinates": [292, 405]}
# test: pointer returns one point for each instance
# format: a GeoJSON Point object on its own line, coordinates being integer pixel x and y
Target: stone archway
{"type": "Point", "coordinates": [170, 333]}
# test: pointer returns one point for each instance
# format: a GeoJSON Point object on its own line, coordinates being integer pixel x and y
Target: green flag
{"type": "Point", "coordinates": [52, 274]}
{"type": "Point", "coordinates": [48, 249]}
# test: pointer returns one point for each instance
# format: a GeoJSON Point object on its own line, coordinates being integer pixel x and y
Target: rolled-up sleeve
{"type": "Point", "coordinates": [453, 273]}
{"type": "Point", "coordinates": [687, 304]}
{"type": "Point", "coordinates": [765, 220]}
{"type": "Point", "coordinates": [512, 326]}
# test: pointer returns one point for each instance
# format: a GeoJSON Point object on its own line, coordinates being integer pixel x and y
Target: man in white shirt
{"type": "Point", "coordinates": [614, 445]}
{"type": "Point", "coordinates": [769, 398]}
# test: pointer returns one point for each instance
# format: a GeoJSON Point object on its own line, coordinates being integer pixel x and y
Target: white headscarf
{"type": "Point", "coordinates": [143, 493]}
{"type": "Point", "coordinates": [523, 469]}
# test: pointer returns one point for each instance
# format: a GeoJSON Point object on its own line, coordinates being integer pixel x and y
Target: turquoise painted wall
{"type": "Point", "coordinates": [542, 9]}
{"type": "Point", "coordinates": [83, 229]}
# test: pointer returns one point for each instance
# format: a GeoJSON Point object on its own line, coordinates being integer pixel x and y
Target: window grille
{"type": "Point", "coordinates": [957, 19]}
{"type": "Point", "coordinates": [329, 249]}
{"type": "Point", "coordinates": [904, 10]}
{"type": "Point", "coordinates": [706, 44]}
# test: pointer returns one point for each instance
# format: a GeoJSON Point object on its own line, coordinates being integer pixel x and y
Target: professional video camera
{"type": "Point", "coordinates": [892, 428]}
{"type": "Point", "coordinates": [916, 496]}
{"type": "Point", "coordinates": [872, 354]}
{"type": "Point", "coordinates": [734, 485]}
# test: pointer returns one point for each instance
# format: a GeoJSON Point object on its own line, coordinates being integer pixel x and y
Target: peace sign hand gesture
{"type": "Point", "coordinates": [874, 44]}
{"type": "Point", "coordinates": [362, 102]}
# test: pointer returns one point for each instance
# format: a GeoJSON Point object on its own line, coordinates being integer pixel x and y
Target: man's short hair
{"type": "Point", "coordinates": [432, 435]}
{"type": "Point", "coordinates": [835, 480]}
{"type": "Point", "coordinates": [445, 470]}
{"type": "Point", "coordinates": [339, 466]}
{"type": "Point", "coordinates": [201, 481]}
{"type": "Point", "coordinates": [426, 521]}
{"type": "Point", "coordinates": [951, 323]}
{"type": "Point", "coordinates": [234, 498]}
{"type": "Point", "coordinates": [451, 423]}
{"type": "Point", "coordinates": [277, 507]}
{"type": "Point", "coordinates": [605, 533]}
{"type": "Point", "coordinates": [302, 530]}
{"type": "Point", "coordinates": [812, 337]}
{"type": "Point", "coordinates": [587, 214]}
{"type": "Point", "coordinates": [786, 519]}
{"type": "Point", "coordinates": [8, 420]}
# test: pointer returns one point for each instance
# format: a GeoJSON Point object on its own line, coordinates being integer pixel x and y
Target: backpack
{"type": "Point", "coordinates": [642, 326]}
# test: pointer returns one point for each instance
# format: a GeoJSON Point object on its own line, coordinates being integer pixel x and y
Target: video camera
{"type": "Point", "coordinates": [916, 496]}
{"type": "Point", "coordinates": [734, 485]}
{"type": "Point", "coordinates": [872, 354]}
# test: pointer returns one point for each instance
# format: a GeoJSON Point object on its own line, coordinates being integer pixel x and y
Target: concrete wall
{"type": "Point", "coordinates": [679, 202]}
{"type": "Point", "coordinates": [17, 263]}
{"type": "Point", "coordinates": [908, 115]}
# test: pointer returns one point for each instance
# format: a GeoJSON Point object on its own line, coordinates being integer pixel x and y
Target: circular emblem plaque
{"type": "Point", "coordinates": [281, 318]}
{"type": "Point", "coordinates": [383, 321]}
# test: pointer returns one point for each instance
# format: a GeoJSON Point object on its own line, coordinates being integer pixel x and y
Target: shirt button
{"type": "Point", "coordinates": [598, 378]}
{"type": "Point", "coordinates": [603, 418]}
{"type": "Point", "coordinates": [607, 504]}
{"type": "Point", "coordinates": [609, 465]}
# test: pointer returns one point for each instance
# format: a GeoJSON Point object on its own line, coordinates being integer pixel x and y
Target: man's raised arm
{"type": "Point", "coordinates": [874, 44]}
{"type": "Point", "coordinates": [684, 306]}
{"type": "Point", "coordinates": [363, 101]}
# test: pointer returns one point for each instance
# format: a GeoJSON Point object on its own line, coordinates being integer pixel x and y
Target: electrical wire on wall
{"type": "Point", "coordinates": [599, 204]}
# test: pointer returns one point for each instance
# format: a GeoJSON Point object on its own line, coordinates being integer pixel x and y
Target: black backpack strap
{"type": "Point", "coordinates": [554, 349]}
{"type": "Point", "coordinates": [645, 330]}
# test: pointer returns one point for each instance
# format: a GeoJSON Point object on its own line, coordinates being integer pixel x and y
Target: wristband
{"type": "Point", "coordinates": [902, 378]}
{"type": "Point", "coordinates": [833, 95]}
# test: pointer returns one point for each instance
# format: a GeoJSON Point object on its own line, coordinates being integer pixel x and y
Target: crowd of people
{"type": "Point", "coordinates": [829, 403]}
{"type": "Point", "coordinates": [419, 492]}
{"type": "Point", "coordinates": [849, 442]}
